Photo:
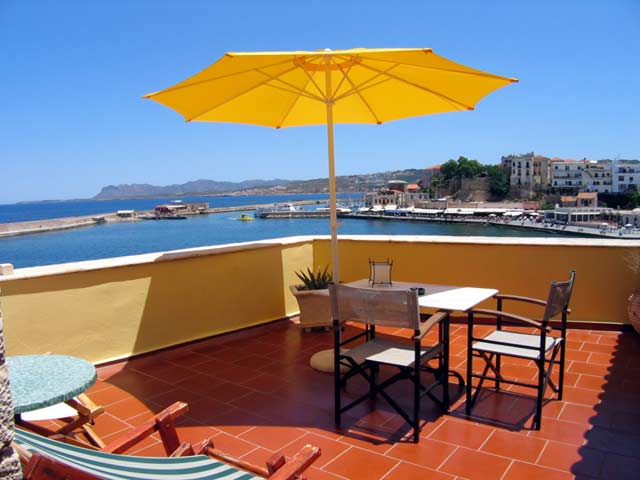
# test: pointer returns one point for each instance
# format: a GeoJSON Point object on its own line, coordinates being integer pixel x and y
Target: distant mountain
{"type": "Point", "coordinates": [195, 187]}
{"type": "Point", "coordinates": [345, 183]}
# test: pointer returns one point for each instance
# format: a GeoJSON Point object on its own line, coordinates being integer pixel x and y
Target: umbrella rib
{"type": "Point", "coordinates": [359, 93]}
{"type": "Point", "coordinates": [361, 88]}
{"type": "Point", "coordinates": [249, 89]}
{"type": "Point", "coordinates": [181, 86]}
{"type": "Point", "coordinates": [420, 87]}
{"type": "Point", "coordinates": [476, 73]}
{"type": "Point", "coordinates": [344, 77]}
{"type": "Point", "coordinates": [293, 104]}
{"type": "Point", "coordinates": [310, 77]}
{"type": "Point", "coordinates": [294, 89]}
{"type": "Point", "coordinates": [362, 85]}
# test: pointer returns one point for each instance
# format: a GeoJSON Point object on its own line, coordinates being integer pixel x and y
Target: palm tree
{"type": "Point", "coordinates": [9, 462]}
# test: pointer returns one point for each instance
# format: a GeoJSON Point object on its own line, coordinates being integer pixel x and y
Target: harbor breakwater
{"type": "Point", "coordinates": [56, 224]}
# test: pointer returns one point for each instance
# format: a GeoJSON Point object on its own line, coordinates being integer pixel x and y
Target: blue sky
{"type": "Point", "coordinates": [72, 119]}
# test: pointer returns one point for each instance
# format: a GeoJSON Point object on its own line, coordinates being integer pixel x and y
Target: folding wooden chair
{"type": "Point", "coordinates": [384, 307]}
{"type": "Point", "coordinates": [77, 414]}
{"type": "Point", "coordinates": [49, 459]}
{"type": "Point", "coordinates": [541, 347]}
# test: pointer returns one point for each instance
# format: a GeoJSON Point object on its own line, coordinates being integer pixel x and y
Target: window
{"type": "Point", "coordinates": [620, 178]}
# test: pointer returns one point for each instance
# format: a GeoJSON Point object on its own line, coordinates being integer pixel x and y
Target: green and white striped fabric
{"type": "Point", "coordinates": [120, 467]}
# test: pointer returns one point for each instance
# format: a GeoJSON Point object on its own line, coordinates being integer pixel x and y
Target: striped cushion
{"type": "Point", "coordinates": [120, 467]}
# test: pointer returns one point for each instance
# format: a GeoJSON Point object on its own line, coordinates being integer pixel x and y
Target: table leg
{"type": "Point", "coordinates": [445, 381]}
{"type": "Point", "coordinates": [469, 361]}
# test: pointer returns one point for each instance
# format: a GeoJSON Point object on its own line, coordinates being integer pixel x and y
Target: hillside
{"type": "Point", "coordinates": [346, 183]}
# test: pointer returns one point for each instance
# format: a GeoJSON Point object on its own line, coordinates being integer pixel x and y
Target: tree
{"type": "Point", "coordinates": [498, 182]}
{"type": "Point", "coordinates": [461, 168]}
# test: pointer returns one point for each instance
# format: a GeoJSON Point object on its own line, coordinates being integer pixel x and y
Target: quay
{"type": "Point", "coordinates": [295, 214]}
{"type": "Point", "coordinates": [582, 230]}
{"type": "Point", "coordinates": [66, 223]}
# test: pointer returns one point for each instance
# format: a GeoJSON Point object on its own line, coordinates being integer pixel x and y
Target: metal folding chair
{"type": "Point", "coordinates": [540, 347]}
{"type": "Point", "coordinates": [367, 351]}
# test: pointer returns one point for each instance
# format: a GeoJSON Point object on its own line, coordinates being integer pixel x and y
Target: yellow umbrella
{"type": "Point", "coordinates": [288, 89]}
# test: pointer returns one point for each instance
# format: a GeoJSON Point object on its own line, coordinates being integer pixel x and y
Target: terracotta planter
{"type": "Point", "coordinates": [633, 310]}
{"type": "Point", "coordinates": [315, 307]}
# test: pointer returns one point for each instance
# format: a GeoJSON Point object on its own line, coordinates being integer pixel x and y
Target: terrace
{"type": "Point", "coordinates": [215, 327]}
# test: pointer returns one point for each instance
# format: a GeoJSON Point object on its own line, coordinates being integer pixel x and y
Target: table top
{"type": "Point", "coordinates": [38, 381]}
{"type": "Point", "coordinates": [440, 297]}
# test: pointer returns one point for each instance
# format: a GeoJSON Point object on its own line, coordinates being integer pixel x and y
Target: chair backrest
{"type": "Point", "coordinates": [120, 467]}
{"type": "Point", "coordinates": [375, 306]}
{"type": "Point", "coordinates": [559, 297]}
{"type": "Point", "coordinates": [380, 272]}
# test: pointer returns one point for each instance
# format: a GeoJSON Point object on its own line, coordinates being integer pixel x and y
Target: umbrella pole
{"type": "Point", "coordinates": [332, 196]}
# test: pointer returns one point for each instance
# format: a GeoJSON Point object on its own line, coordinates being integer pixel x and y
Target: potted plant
{"type": "Point", "coordinates": [313, 298]}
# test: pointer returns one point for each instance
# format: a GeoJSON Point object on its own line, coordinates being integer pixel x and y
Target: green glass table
{"type": "Point", "coordinates": [38, 381]}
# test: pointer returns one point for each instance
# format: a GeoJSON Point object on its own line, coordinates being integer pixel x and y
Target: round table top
{"type": "Point", "coordinates": [38, 381]}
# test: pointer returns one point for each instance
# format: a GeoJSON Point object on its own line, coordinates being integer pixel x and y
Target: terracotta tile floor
{"type": "Point", "coordinates": [255, 393]}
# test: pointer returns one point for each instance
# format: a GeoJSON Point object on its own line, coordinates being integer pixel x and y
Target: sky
{"type": "Point", "coordinates": [73, 72]}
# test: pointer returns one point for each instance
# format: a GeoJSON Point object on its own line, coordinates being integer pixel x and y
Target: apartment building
{"type": "Point", "coordinates": [625, 176]}
{"type": "Point", "coordinates": [596, 177]}
{"type": "Point", "coordinates": [567, 173]}
{"type": "Point", "coordinates": [528, 172]}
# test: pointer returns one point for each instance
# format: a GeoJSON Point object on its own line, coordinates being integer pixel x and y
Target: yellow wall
{"type": "Point", "coordinates": [114, 312]}
{"type": "Point", "coordinates": [604, 280]}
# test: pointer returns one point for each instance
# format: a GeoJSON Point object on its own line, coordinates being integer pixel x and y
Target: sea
{"type": "Point", "coordinates": [131, 238]}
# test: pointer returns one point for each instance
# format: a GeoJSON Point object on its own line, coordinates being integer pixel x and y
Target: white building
{"type": "Point", "coordinates": [596, 177]}
{"type": "Point", "coordinates": [567, 173]}
{"type": "Point", "coordinates": [625, 176]}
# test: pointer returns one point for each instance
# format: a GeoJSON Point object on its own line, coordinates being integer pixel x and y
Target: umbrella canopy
{"type": "Point", "coordinates": [287, 89]}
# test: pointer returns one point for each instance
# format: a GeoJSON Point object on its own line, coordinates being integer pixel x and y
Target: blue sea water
{"type": "Point", "coordinates": [119, 239]}
{"type": "Point", "coordinates": [23, 212]}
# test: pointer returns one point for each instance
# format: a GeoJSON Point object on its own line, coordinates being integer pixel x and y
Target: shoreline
{"type": "Point", "coordinates": [574, 230]}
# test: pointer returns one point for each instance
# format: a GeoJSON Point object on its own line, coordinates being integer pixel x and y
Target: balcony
{"type": "Point", "coordinates": [216, 327]}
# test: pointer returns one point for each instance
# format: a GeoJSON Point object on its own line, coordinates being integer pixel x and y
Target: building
{"type": "Point", "coordinates": [429, 173]}
{"type": "Point", "coordinates": [397, 185]}
{"type": "Point", "coordinates": [399, 193]}
{"type": "Point", "coordinates": [567, 173]}
{"type": "Point", "coordinates": [625, 175]}
{"type": "Point", "coordinates": [596, 177]}
{"type": "Point", "coordinates": [582, 200]}
{"type": "Point", "coordinates": [528, 173]}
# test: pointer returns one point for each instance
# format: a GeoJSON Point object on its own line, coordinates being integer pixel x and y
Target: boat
{"type": "Point", "coordinates": [277, 210]}
{"type": "Point", "coordinates": [246, 218]}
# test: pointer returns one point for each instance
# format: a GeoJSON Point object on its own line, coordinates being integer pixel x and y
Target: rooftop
{"type": "Point", "coordinates": [256, 393]}
{"type": "Point", "coordinates": [215, 327]}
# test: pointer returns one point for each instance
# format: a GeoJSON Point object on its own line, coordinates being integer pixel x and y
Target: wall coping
{"type": "Point", "coordinates": [148, 258]}
{"type": "Point", "coordinates": [172, 255]}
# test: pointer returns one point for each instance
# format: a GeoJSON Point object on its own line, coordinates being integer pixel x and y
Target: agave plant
{"type": "Point", "coordinates": [315, 280]}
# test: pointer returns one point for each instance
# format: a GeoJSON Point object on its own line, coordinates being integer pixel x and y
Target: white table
{"type": "Point", "coordinates": [440, 297]}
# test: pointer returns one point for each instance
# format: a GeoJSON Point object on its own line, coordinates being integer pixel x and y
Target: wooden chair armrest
{"type": "Point", "coordinates": [428, 324]}
{"type": "Point", "coordinates": [518, 298]}
{"type": "Point", "coordinates": [162, 422]}
{"type": "Point", "coordinates": [211, 451]}
{"type": "Point", "coordinates": [510, 316]}
{"type": "Point", "coordinates": [277, 467]}
{"type": "Point", "coordinates": [298, 464]}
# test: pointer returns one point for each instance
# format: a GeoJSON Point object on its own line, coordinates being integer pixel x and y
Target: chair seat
{"type": "Point", "coordinates": [388, 352]}
{"type": "Point", "coordinates": [126, 467]}
{"type": "Point", "coordinates": [53, 412]}
{"type": "Point", "coordinates": [516, 341]}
